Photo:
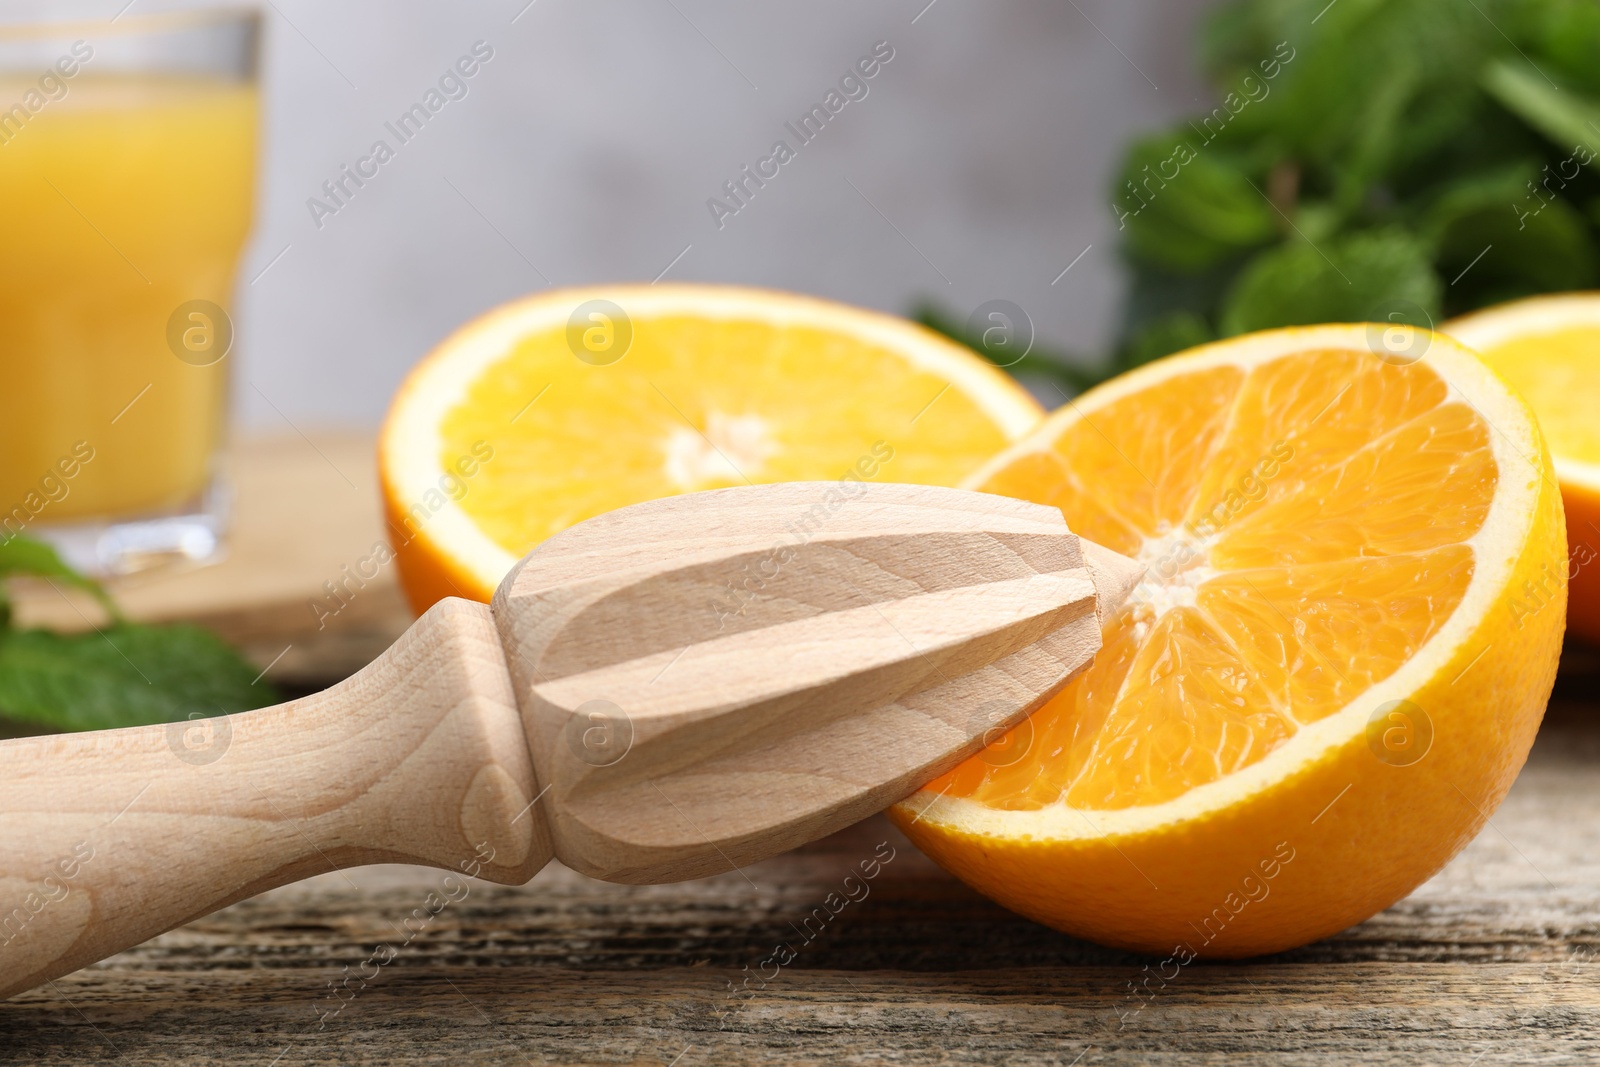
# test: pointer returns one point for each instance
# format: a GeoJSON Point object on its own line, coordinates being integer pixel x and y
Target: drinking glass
{"type": "Point", "coordinates": [127, 171]}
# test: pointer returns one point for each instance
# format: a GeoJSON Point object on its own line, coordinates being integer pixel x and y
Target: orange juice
{"type": "Point", "coordinates": [123, 200]}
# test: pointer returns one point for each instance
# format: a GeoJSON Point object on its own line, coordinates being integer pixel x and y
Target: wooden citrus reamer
{"type": "Point", "coordinates": [666, 691]}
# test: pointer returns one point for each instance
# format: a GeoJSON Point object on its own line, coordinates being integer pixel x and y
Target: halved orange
{"type": "Point", "coordinates": [1331, 674]}
{"type": "Point", "coordinates": [1548, 349]}
{"type": "Point", "coordinates": [561, 406]}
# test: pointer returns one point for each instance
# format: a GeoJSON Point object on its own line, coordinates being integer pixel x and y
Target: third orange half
{"type": "Point", "coordinates": [1331, 674]}
{"type": "Point", "coordinates": [1548, 349]}
{"type": "Point", "coordinates": [555, 408]}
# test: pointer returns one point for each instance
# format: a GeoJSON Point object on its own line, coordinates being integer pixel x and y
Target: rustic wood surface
{"type": "Point", "coordinates": [1494, 961]}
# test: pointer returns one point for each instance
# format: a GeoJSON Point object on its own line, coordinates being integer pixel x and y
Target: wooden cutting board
{"type": "Point", "coordinates": [304, 508]}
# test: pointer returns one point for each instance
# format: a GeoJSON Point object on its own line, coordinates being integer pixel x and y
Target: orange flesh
{"type": "Point", "coordinates": [1277, 511]}
{"type": "Point", "coordinates": [1557, 372]}
{"type": "Point", "coordinates": [699, 403]}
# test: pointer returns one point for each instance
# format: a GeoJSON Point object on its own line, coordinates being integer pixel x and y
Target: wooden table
{"type": "Point", "coordinates": [1494, 961]}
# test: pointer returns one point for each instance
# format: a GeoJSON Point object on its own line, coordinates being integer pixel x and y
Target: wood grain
{"type": "Point", "coordinates": [114, 836]}
{"type": "Point", "coordinates": [854, 675]}
{"type": "Point", "coordinates": [716, 677]}
{"type": "Point", "coordinates": [1488, 961]}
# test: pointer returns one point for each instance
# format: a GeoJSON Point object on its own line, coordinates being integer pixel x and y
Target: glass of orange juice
{"type": "Point", "coordinates": [127, 175]}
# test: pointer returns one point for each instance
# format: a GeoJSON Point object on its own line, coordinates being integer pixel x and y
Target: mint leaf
{"type": "Point", "coordinates": [1183, 206]}
{"type": "Point", "coordinates": [24, 557]}
{"type": "Point", "coordinates": [1567, 119]}
{"type": "Point", "coordinates": [124, 675]}
{"type": "Point", "coordinates": [1567, 36]}
{"type": "Point", "coordinates": [1349, 280]}
{"type": "Point", "coordinates": [1499, 190]}
{"type": "Point", "coordinates": [1171, 333]}
{"type": "Point", "coordinates": [1499, 254]}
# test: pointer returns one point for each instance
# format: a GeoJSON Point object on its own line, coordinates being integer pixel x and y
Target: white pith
{"type": "Point", "coordinates": [1160, 556]}
{"type": "Point", "coordinates": [411, 445]}
{"type": "Point", "coordinates": [1514, 441]}
{"type": "Point", "coordinates": [730, 448]}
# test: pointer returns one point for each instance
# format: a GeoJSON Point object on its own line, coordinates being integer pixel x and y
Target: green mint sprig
{"type": "Point", "coordinates": [121, 674]}
{"type": "Point", "coordinates": [1389, 160]}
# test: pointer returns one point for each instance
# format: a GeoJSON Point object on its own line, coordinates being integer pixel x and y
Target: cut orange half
{"type": "Point", "coordinates": [1548, 349]}
{"type": "Point", "coordinates": [565, 405]}
{"type": "Point", "coordinates": [1333, 670]}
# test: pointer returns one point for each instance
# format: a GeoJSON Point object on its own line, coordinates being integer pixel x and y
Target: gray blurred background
{"type": "Point", "coordinates": [585, 150]}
